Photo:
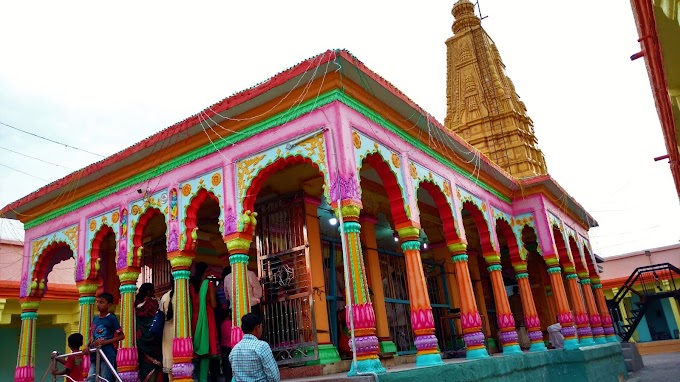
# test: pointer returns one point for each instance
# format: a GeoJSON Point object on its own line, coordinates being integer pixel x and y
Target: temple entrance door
{"type": "Point", "coordinates": [285, 273]}
{"type": "Point", "coordinates": [335, 285]}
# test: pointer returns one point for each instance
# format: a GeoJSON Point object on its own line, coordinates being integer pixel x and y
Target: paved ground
{"type": "Point", "coordinates": [658, 367]}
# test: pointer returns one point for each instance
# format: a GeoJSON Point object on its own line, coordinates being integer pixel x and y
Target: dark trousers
{"type": "Point", "coordinates": [226, 365]}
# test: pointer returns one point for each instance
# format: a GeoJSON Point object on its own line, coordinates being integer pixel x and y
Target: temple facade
{"type": "Point", "coordinates": [351, 203]}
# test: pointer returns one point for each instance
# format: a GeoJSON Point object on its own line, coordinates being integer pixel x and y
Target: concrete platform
{"type": "Point", "coordinates": [600, 363]}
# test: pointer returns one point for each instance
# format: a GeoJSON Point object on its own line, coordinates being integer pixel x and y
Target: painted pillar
{"type": "Point", "coordinates": [470, 319]}
{"type": "Point", "coordinates": [238, 245]}
{"type": "Point", "coordinates": [25, 371]}
{"type": "Point", "coordinates": [591, 308]}
{"type": "Point", "coordinates": [86, 301]}
{"type": "Point", "coordinates": [357, 297]}
{"type": "Point", "coordinates": [604, 311]}
{"type": "Point", "coordinates": [531, 321]}
{"type": "Point", "coordinates": [563, 311]}
{"type": "Point", "coordinates": [506, 322]}
{"type": "Point", "coordinates": [452, 285]}
{"type": "Point", "coordinates": [422, 320]}
{"type": "Point", "coordinates": [585, 333]}
{"type": "Point", "coordinates": [327, 351]}
{"type": "Point", "coordinates": [126, 359]}
{"type": "Point", "coordinates": [375, 282]}
{"type": "Point", "coordinates": [182, 344]}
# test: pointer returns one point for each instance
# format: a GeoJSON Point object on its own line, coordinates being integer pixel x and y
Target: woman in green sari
{"type": "Point", "coordinates": [204, 300]}
{"type": "Point", "coordinates": [149, 350]}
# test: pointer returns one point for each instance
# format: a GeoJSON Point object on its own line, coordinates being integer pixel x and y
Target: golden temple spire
{"type": "Point", "coordinates": [482, 105]}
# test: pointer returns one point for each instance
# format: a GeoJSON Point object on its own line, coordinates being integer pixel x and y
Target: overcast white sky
{"type": "Point", "coordinates": [104, 76]}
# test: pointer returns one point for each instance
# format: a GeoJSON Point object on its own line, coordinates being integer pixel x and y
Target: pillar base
{"type": "Point", "coordinates": [612, 339]}
{"type": "Point", "coordinates": [327, 354]}
{"type": "Point", "coordinates": [388, 347]}
{"type": "Point", "coordinates": [571, 344]}
{"type": "Point", "coordinates": [511, 349]}
{"type": "Point", "coordinates": [587, 341]}
{"type": "Point", "coordinates": [370, 366]}
{"type": "Point", "coordinates": [477, 354]}
{"type": "Point", "coordinates": [24, 374]}
{"type": "Point", "coordinates": [429, 360]}
{"type": "Point", "coordinates": [600, 340]}
{"type": "Point", "coordinates": [538, 346]}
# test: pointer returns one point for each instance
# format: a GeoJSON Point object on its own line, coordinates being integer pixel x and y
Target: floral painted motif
{"type": "Point", "coordinates": [356, 139]}
{"type": "Point", "coordinates": [186, 190]}
{"type": "Point", "coordinates": [216, 179]}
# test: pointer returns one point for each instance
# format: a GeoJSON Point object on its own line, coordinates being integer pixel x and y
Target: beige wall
{"type": "Point", "coordinates": [623, 265]}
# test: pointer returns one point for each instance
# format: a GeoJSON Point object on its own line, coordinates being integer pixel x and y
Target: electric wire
{"type": "Point", "coordinates": [50, 140]}
{"type": "Point", "coordinates": [38, 159]}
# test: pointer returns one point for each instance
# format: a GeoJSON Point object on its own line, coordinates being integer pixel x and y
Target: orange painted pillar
{"type": "Point", "coordinates": [506, 322]}
{"type": "Point", "coordinates": [469, 314]}
{"type": "Point", "coordinates": [585, 333]}
{"type": "Point", "coordinates": [422, 320]}
{"type": "Point", "coordinates": [591, 308]}
{"type": "Point", "coordinates": [375, 282]}
{"type": "Point", "coordinates": [531, 321]}
{"type": "Point", "coordinates": [563, 311]}
{"type": "Point", "coordinates": [604, 311]}
{"type": "Point", "coordinates": [552, 305]}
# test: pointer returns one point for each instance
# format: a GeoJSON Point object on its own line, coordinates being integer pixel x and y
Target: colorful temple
{"type": "Point", "coordinates": [323, 163]}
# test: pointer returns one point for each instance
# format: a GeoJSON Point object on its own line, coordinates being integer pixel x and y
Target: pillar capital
{"type": "Point", "coordinates": [349, 208]}
{"type": "Point", "coordinates": [29, 305]}
{"type": "Point", "coordinates": [409, 233]}
{"type": "Point", "coordinates": [457, 248]}
{"type": "Point", "coordinates": [520, 267]}
{"type": "Point", "coordinates": [87, 289]}
{"type": "Point", "coordinates": [492, 257]}
{"type": "Point", "coordinates": [410, 245]}
{"type": "Point", "coordinates": [128, 276]}
{"type": "Point", "coordinates": [238, 242]}
{"type": "Point", "coordinates": [181, 260]}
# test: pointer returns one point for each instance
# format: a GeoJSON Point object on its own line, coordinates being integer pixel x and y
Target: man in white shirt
{"type": "Point", "coordinates": [254, 289]}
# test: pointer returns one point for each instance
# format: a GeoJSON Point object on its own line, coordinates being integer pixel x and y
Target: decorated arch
{"type": "Point", "coordinates": [478, 209]}
{"type": "Point", "coordinates": [193, 193]}
{"type": "Point", "coordinates": [187, 238]}
{"type": "Point", "coordinates": [439, 189]}
{"type": "Point", "coordinates": [98, 227]}
{"type": "Point", "coordinates": [253, 171]}
{"type": "Point", "coordinates": [46, 252]}
{"type": "Point", "coordinates": [443, 204]}
{"type": "Point", "coordinates": [376, 155]}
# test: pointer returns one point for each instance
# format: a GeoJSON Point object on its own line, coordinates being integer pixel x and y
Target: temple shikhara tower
{"type": "Point", "coordinates": [482, 105]}
{"type": "Point", "coordinates": [360, 215]}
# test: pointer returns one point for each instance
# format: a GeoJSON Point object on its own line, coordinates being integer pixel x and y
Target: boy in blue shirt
{"type": "Point", "coordinates": [105, 332]}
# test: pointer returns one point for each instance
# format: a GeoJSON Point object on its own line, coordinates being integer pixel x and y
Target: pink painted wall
{"type": "Point", "coordinates": [340, 120]}
{"type": "Point", "coordinates": [623, 265]}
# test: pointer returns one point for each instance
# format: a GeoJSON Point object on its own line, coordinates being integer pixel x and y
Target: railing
{"type": "Point", "coordinates": [649, 280]}
{"type": "Point", "coordinates": [97, 370]}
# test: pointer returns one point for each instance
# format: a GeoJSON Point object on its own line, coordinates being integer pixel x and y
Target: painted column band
{"type": "Point", "coordinates": [506, 322]}
{"type": "Point", "coordinates": [583, 328]}
{"type": "Point", "coordinates": [357, 297]}
{"type": "Point", "coordinates": [126, 358]}
{"type": "Point", "coordinates": [25, 370]}
{"type": "Point", "coordinates": [471, 321]}
{"type": "Point", "coordinates": [422, 320]}
{"type": "Point", "coordinates": [564, 315]}
{"type": "Point", "coordinates": [531, 321]}
{"type": "Point", "coordinates": [182, 345]}
{"type": "Point", "coordinates": [86, 303]}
